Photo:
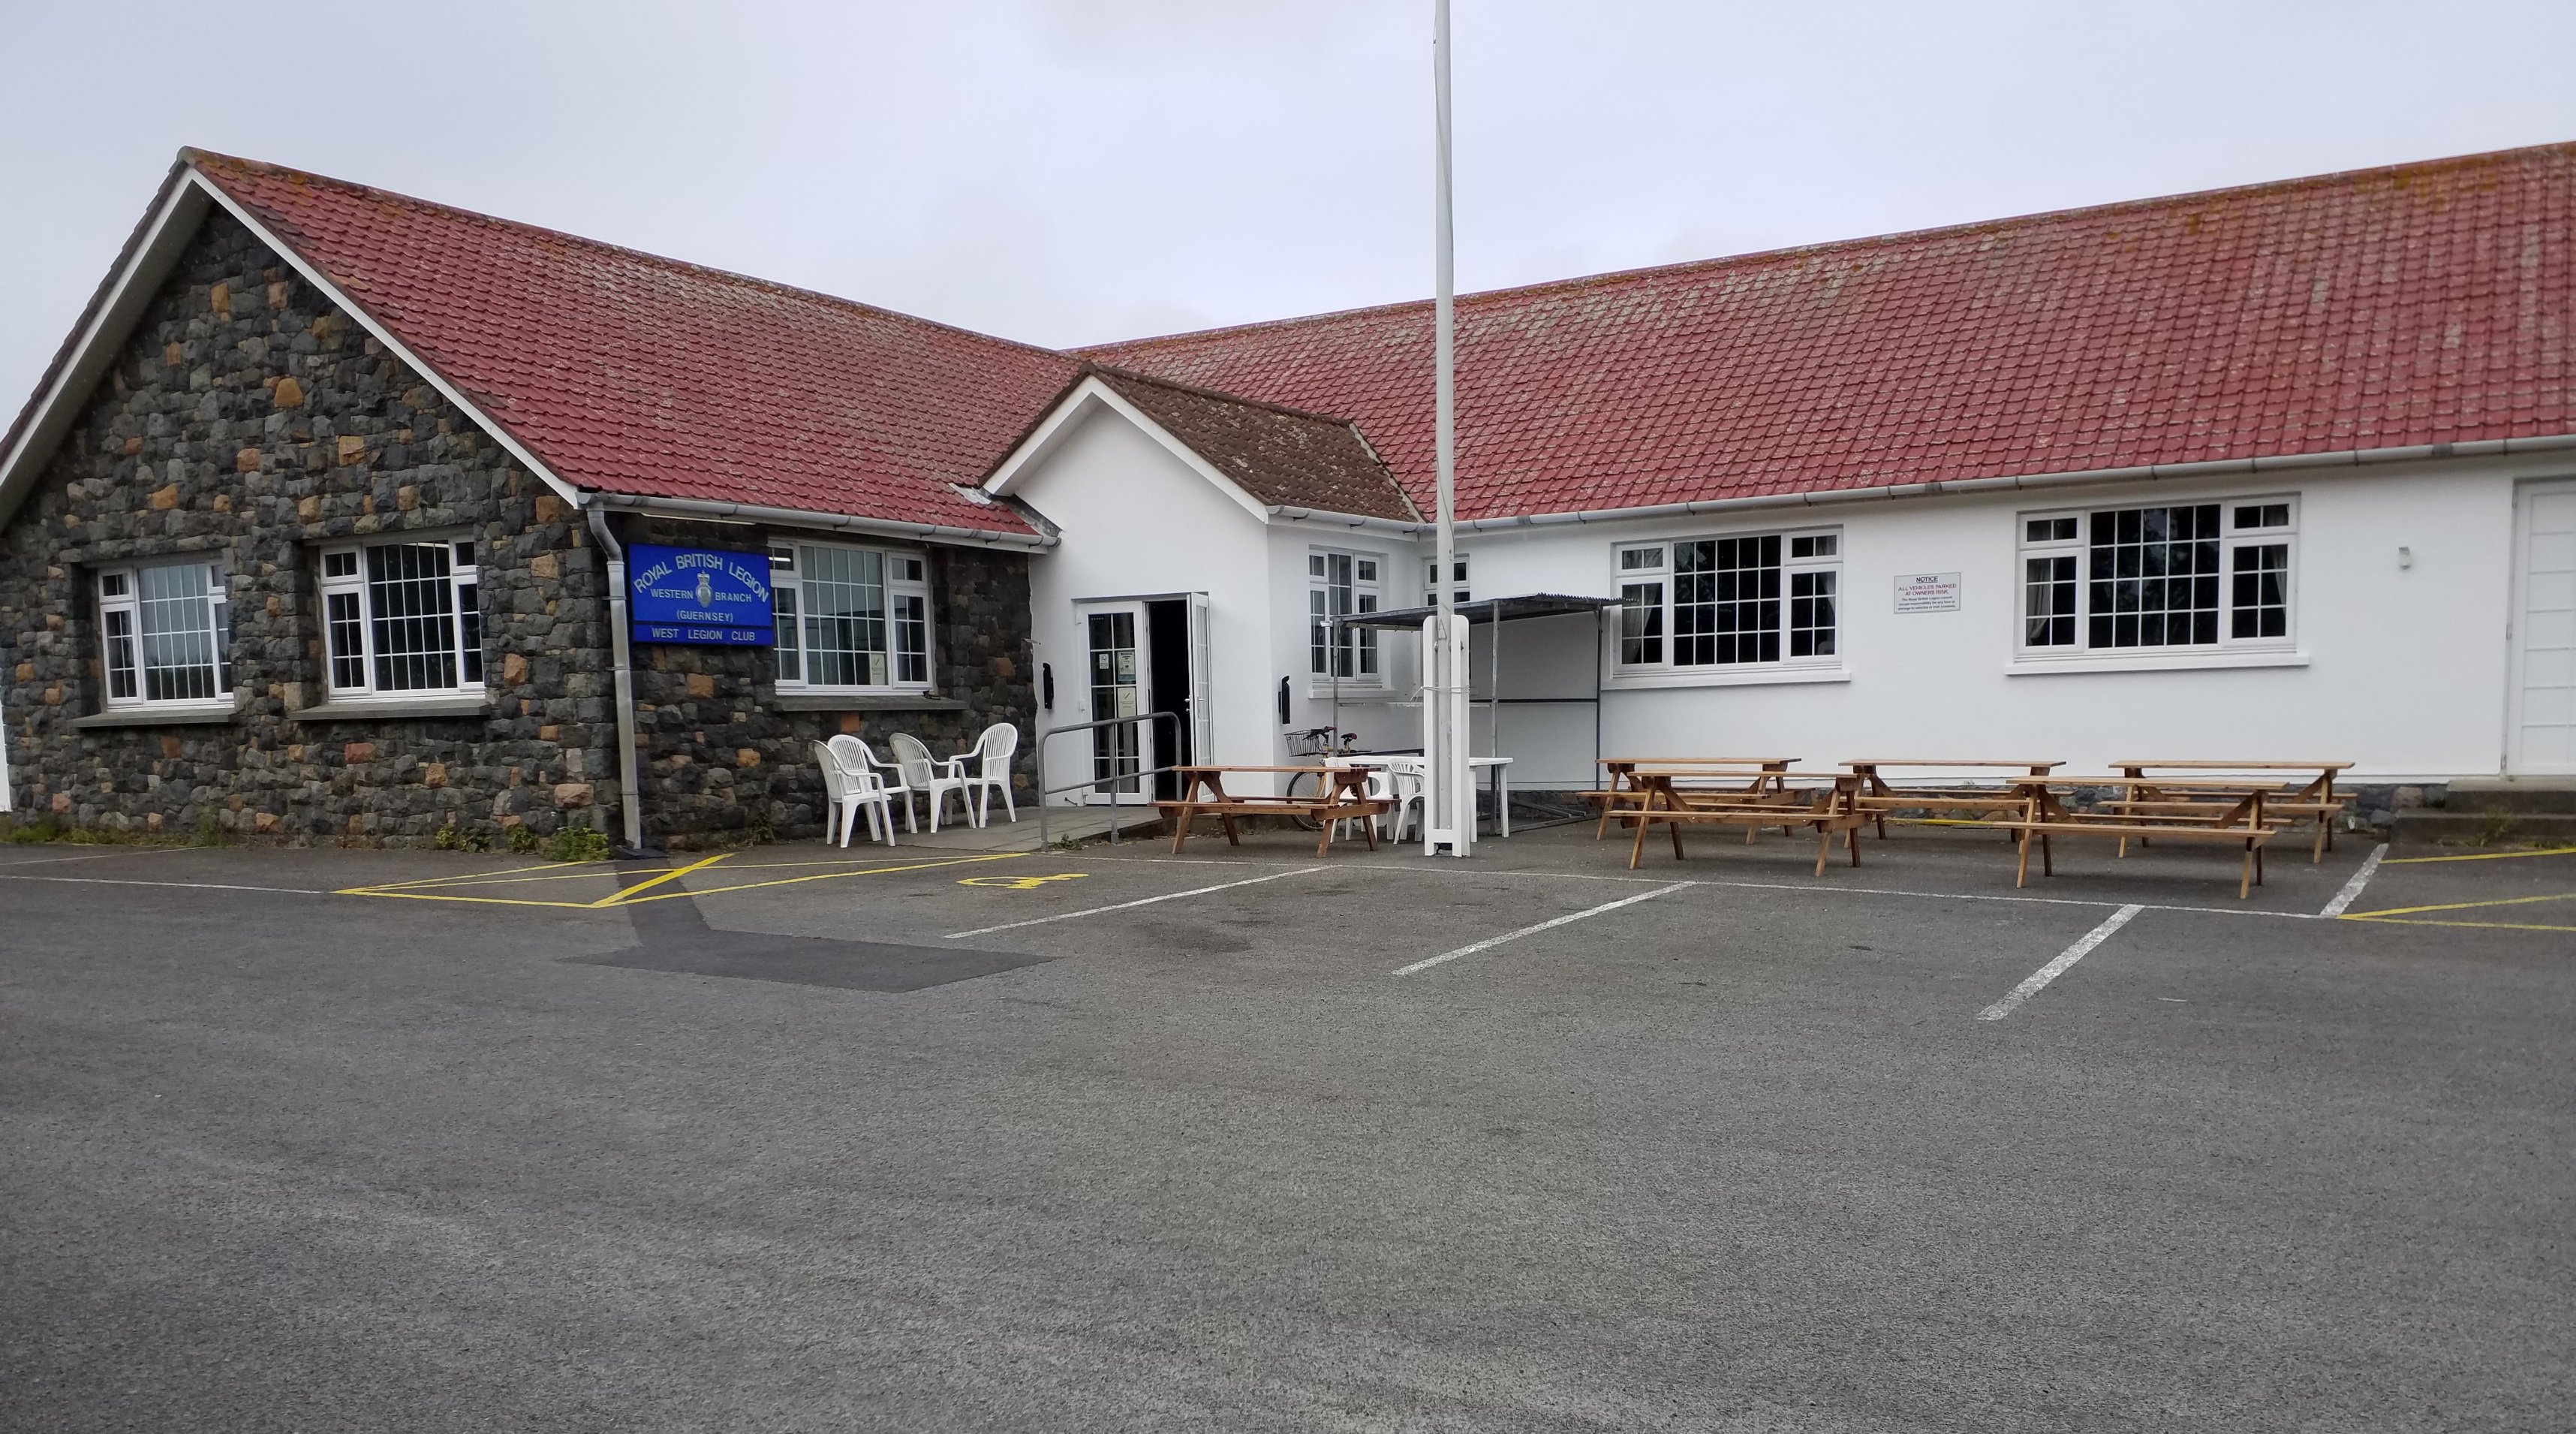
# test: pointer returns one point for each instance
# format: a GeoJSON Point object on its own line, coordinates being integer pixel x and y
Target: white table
{"type": "Point", "coordinates": [1498, 782]}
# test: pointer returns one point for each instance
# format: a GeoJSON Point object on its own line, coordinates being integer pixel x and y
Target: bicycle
{"type": "Point", "coordinates": [1318, 742]}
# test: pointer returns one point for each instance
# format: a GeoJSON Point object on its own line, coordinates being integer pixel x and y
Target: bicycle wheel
{"type": "Point", "coordinates": [1306, 784]}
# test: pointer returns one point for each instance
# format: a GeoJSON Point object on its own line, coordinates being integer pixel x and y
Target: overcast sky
{"type": "Point", "coordinates": [1065, 171]}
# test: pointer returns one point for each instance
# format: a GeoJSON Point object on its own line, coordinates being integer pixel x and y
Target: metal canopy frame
{"type": "Point", "coordinates": [1493, 612]}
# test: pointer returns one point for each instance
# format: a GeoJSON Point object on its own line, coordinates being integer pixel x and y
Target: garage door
{"type": "Point", "coordinates": [2543, 739]}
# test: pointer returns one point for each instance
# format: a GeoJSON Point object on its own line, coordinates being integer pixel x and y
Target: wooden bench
{"type": "Point", "coordinates": [2045, 817]}
{"type": "Point", "coordinates": [1339, 792]}
{"type": "Point", "coordinates": [1984, 804]}
{"type": "Point", "coordinates": [1752, 775]}
{"type": "Point", "coordinates": [1827, 809]}
{"type": "Point", "coordinates": [2284, 805]}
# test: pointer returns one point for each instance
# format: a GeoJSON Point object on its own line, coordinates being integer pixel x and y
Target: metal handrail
{"type": "Point", "coordinates": [1044, 791]}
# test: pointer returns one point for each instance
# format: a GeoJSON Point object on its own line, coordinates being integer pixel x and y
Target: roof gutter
{"type": "Point", "coordinates": [1407, 528]}
{"type": "Point", "coordinates": [2158, 472]}
{"type": "Point", "coordinates": [702, 508]}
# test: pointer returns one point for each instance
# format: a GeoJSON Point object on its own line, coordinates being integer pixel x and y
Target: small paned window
{"type": "Point", "coordinates": [1341, 585]}
{"type": "Point", "coordinates": [854, 618]}
{"type": "Point", "coordinates": [402, 617]}
{"type": "Point", "coordinates": [1723, 602]}
{"type": "Point", "coordinates": [166, 635]}
{"type": "Point", "coordinates": [1431, 582]}
{"type": "Point", "coordinates": [2163, 578]}
{"type": "Point", "coordinates": [1641, 606]}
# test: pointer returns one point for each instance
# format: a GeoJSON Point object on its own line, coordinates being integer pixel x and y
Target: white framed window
{"type": "Point", "coordinates": [1431, 580]}
{"type": "Point", "coordinates": [1340, 584]}
{"type": "Point", "coordinates": [1745, 600]}
{"type": "Point", "coordinates": [165, 630]}
{"type": "Point", "coordinates": [402, 617]}
{"type": "Point", "coordinates": [855, 619]}
{"type": "Point", "coordinates": [2158, 579]}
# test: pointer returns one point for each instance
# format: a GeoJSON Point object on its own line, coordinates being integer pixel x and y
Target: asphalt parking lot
{"type": "Point", "coordinates": [794, 1138]}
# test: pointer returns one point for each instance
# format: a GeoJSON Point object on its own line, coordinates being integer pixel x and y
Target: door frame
{"type": "Point", "coordinates": [1200, 706]}
{"type": "Point", "coordinates": [2518, 626]}
{"type": "Point", "coordinates": [1084, 610]}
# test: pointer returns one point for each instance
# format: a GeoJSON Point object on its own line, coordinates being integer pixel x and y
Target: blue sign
{"type": "Point", "coordinates": [699, 595]}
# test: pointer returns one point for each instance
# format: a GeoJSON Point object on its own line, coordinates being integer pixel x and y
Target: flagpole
{"type": "Point", "coordinates": [1451, 806]}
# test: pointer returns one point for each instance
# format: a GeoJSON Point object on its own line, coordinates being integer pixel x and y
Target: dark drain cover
{"type": "Point", "coordinates": [812, 961]}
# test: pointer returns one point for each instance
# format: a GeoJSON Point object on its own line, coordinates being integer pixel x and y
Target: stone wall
{"type": "Point", "coordinates": [248, 419]}
{"type": "Point", "coordinates": [725, 758]}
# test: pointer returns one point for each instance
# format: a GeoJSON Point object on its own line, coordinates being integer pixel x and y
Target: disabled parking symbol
{"type": "Point", "coordinates": [1021, 883]}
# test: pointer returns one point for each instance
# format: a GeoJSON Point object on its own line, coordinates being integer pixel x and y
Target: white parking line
{"type": "Point", "coordinates": [2352, 889]}
{"type": "Point", "coordinates": [1126, 905]}
{"type": "Point", "coordinates": [174, 885]}
{"type": "Point", "coordinates": [96, 856]}
{"type": "Point", "coordinates": [1493, 941]}
{"type": "Point", "coordinates": [2058, 967]}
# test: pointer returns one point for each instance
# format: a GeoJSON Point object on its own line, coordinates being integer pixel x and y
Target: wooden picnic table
{"type": "Point", "coordinates": [1340, 792]}
{"type": "Point", "coordinates": [1878, 798]}
{"type": "Point", "coordinates": [1827, 809]}
{"type": "Point", "coordinates": [1760, 774]}
{"type": "Point", "coordinates": [2243, 821]}
{"type": "Point", "coordinates": [2284, 805]}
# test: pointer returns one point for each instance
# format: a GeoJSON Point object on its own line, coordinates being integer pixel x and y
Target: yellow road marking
{"type": "Point", "coordinates": [409, 891]}
{"type": "Point", "coordinates": [2457, 906]}
{"type": "Point", "coordinates": [586, 872]}
{"type": "Point", "coordinates": [2481, 856]}
{"type": "Point", "coordinates": [832, 876]}
{"type": "Point", "coordinates": [2481, 925]}
{"type": "Point", "coordinates": [468, 876]}
{"type": "Point", "coordinates": [477, 900]}
{"type": "Point", "coordinates": [614, 897]}
{"type": "Point", "coordinates": [1020, 883]}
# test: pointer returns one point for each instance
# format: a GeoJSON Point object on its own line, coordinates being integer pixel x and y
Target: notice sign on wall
{"type": "Point", "coordinates": [1927, 592]}
{"type": "Point", "coordinates": [699, 595]}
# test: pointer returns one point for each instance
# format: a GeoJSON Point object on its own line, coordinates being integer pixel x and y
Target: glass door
{"type": "Point", "coordinates": [1118, 685]}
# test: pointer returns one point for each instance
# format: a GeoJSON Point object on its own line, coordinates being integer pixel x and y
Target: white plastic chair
{"type": "Point", "coordinates": [987, 769]}
{"type": "Point", "coordinates": [921, 773]}
{"type": "Point", "coordinates": [857, 756]}
{"type": "Point", "coordinates": [1404, 791]}
{"type": "Point", "coordinates": [851, 792]}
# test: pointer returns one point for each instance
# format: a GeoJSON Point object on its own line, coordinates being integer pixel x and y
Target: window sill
{"type": "Point", "coordinates": [1755, 677]}
{"type": "Point", "coordinates": [2175, 662]}
{"type": "Point", "coordinates": [1352, 692]}
{"type": "Point", "coordinates": [159, 717]}
{"type": "Point", "coordinates": [866, 702]}
{"type": "Point", "coordinates": [378, 709]}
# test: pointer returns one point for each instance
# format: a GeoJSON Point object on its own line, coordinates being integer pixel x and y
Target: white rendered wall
{"type": "Point", "coordinates": [1384, 715]}
{"type": "Point", "coordinates": [1137, 521]}
{"type": "Point", "coordinates": [2405, 673]}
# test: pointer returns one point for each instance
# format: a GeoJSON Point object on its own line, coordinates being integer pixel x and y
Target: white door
{"type": "Point", "coordinates": [1202, 706]}
{"type": "Point", "coordinates": [2542, 738]}
{"type": "Point", "coordinates": [1117, 674]}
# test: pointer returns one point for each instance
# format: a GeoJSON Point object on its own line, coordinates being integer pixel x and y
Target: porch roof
{"type": "Point", "coordinates": [1510, 609]}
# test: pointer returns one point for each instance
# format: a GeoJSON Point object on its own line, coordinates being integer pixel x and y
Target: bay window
{"type": "Point", "coordinates": [402, 618]}
{"type": "Point", "coordinates": [850, 618]}
{"type": "Point", "coordinates": [2207, 576]}
{"type": "Point", "coordinates": [165, 631]}
{"type": "Point", "coordinates": [1709, 604]}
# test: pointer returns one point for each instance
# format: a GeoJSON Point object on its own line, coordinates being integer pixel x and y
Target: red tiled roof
{"type": "Point", "coordinates": [641, 375]}
{"type": "Point", "coordinates": [1279, 455]}
{"type": "Point", "coordinates": [2425, 303]}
